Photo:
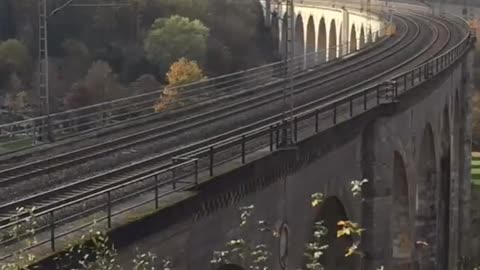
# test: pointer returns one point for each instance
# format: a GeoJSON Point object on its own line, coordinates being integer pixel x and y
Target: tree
{"type": "Point", "coordinates": [79, 96]}
{"type": "Point", "coordinates": [16, 102]}
{"type": "Point", "coordinates": [181, 72]}
{"type": "Point", "coordinates": [184, 72]}
{"type": "Point", "coordinates": [176, 37]}
{"type": "Point", "coordinates": [144, 84]}
{"type": "Point", "coordinates": [99, 80]}
{"type": "Point", "coordinates": [15, 53]}
{"type": "Point", "coordinates": [77, 59]}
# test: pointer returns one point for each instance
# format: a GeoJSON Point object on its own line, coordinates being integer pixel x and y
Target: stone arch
{"type": "Point", "coordinates": [361, 43]}
{"type": "Point", "coordinates": [402, 244]}
{"type": "Point", "coordinates": [310, 44]}
{"type": "Point", "coordinates": [332, 44]}
{"type": "Point", "coordinates": [275, 34]}
{"type": "Point", "coordinates": [353, 39]}
{"type": "Point", "coordinates": [322, 41]}
{"type": "Point", "coordinates": [299, 44]}
{"type": "Point", "coordinates": [332, 211]}
{"type": "Point", "coordinates": [443, 221]}
{"type": "Point", "coordinates": [425, 200]}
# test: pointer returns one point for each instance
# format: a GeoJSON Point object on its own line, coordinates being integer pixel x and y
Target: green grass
{"type": "Point", "coordinates": [17, 144]}
{"type": "Point", "coordinates": [476, 168]}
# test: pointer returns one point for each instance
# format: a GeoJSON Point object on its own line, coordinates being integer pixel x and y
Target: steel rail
{"type": "Point", "coordinates": [446, 60]}
{"type": "Point", "coordinates": [219, 93]}
{"type": "Point", "coordinates": [81, 155]}
{"type": "Point", "coordinates": [130, 168]}
{"type": "Point", "coordinates": [143, 163]}
{"type": "Point", "coordinates": [32, 126]}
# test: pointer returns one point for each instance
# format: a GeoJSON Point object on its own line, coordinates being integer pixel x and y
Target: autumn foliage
{"type": "Point", "coordinates": [182, 72]}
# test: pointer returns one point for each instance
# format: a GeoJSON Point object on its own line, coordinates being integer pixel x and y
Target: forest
{"type": "Point", "coordinates": [100, 53]}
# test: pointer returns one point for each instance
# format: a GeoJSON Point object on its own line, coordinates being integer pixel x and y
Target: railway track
{"type": "Point", "coordinates": [198, 99]}
{"type": "Point", "coordinates": [440, 41]}
{"type": "Point", "coordinates": [26, 171]}
{"type": "Point", "coordinates": [57, 196]}
{"type": "Point", "coordinates": [15, 174]}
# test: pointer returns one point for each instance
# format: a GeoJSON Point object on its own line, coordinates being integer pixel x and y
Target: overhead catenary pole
{"type": "Point", "coordinates": [44, 95]}
{"type": "Point", "coordinates": [288, 91]}
{"type": "Point", "coordinates": [45, 129]}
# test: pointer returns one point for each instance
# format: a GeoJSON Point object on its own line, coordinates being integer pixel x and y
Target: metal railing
{"type": "Point", "coordinates": [27, 133]}
{"type": "Point", "coordinates": [185, 171]}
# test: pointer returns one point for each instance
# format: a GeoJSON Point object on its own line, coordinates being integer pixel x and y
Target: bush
{"type": "Point", "coordinates": [176, 37]}
{"type": "Point", "coordinates": [181, 72]}
{"type": "Point", "coordinates": [15, 53]}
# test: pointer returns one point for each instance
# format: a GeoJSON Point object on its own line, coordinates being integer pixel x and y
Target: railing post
{"type": "Point", "coordinates": [395, 91]}
{"type": "Point", "coordinates": [295, 128]}
{"type": "Point", "coordinates": [413, 77]}
{"type": "Point", "coordinates": [211, 161]}
{"type": "Point", "coordinates": [351, 106]}
{"type": "Point", "coordinates": [365, 95]}
{"type": "Point", "coordinates": [52, 230]}
{"type": "Point", "coordinates": [109, 210]}
{"type": "Point", "coordinates": [335, 113]}
{"type": "Point", "coordinates": [156, 191]}
{"type": "Point", "coordinates": [436, 64]}
{"type": "Point", "coordinates": [196, 171]}
{"type": "Point", "coordinates": [174, 182]}
{"type": "Point", "coordinates": [243, 149]}
{"type": "Point", "coordinates": [316, 121]}
{"type": "Point", "coordinates": [378, 94]}
{"type": "Point", "coordinates": [277, 137]}
{"type": "Point", "coordinates": [271, 138]}
{"type": "Point", "coordinates": [405, 82]}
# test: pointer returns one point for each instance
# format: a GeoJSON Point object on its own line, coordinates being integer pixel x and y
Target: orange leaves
{"type": "Point", "coordinates": [181, 73]}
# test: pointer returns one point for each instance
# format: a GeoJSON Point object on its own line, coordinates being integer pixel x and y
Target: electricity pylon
{"type": "Point", "coordinates": [44, 90]}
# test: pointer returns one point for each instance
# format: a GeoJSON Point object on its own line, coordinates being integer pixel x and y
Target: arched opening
{"type": "Point", "coordinates": [299, 46]}
{"type": "Point", "coordinates": [275, 34]}
{"type": "Point", "coordinates": [402, 243]}
{"type": "Point", "coordinates": [331, 212]}
{"type": "Point", "coordinates": [342, 46]}
{"type": "Point", "coordinates": [362, 38]}
{"type": "Point", "coordinates": [322, 42]}
{"type": "Point", "coordinates": [443, 235]}
{"type": "Point", "coordinates": [458, 166]}
{"type": "Point", "coordinates": [369, 36]}
{"type": "Point", "coordinates": [283, 35]}
{"type": "Point", "coordinates": [230, 266]}
{"type": "Point", "coordinates": [332, 44]}
{"type": "Point", "coordinates": [425, 230]}
{"type": "Point", "coordinates": [353, 39]}
{"type": "Point", "coordinates": [310, 42]}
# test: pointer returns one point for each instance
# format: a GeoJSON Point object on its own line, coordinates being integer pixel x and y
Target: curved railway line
{"type": "Point", "coordinates": [33, 169]}
{"type": "Point", "coordinates": [418, 39]}
{"type": "Point", "coordinates": [28, 171]}
{"type": "Point", "coordinates": [51, 197]}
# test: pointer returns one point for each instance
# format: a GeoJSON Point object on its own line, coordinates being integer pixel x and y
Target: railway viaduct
{"type": "Point", "coordinates": [413, 151]}
{"type": "Point", "coordinates": [330, 32]}
{"type": "Point", "coordinates": [407, 133]}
